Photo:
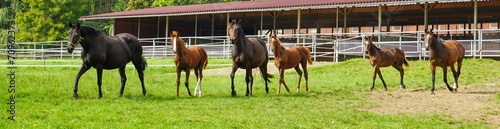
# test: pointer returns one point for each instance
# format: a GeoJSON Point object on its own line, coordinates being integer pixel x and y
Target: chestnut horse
{"type": "Point", "coordinates": [444, 55]}
{"type": "Point", "coordinates": [247, 53]}
{"type": "Point", "coordinates": [290, 58]}
{"type": "Point", "coordinates": [186, 59]}
{"type": "Point", "coordinates": [394, 57]}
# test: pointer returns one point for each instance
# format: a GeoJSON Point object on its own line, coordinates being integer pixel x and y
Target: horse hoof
{"type": "Point", "coordinates": [233, 94]}
{"type": "Point", "coordinates": [75, 96]}
{"type": "Point", "coordinates": [432, 93]}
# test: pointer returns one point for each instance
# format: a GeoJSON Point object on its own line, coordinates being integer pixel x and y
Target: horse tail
{"type": "Point", "coordinates": [307, 52]}
{"type": "Point", "coordinates": [144, 64]}
{"type": "Point", "coordinates": [405, 61]}
{"type": "Point", "coordinates": [267, 77]}
{"type": "Point", "coordinates": [205, 64]}
{"type": "Point", "coordinates": [309, 61]}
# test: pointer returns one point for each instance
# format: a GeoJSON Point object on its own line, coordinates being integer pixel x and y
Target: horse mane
{"type": "Point", "coordinates": [88, 30]}
{"type": "Point", "coordinates": [372, 48]}
{"type": "Point", "coordinates": [439, 39]}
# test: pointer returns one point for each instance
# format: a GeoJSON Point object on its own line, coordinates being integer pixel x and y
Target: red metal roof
{"type": "Point", "coordinates": [239, 6]}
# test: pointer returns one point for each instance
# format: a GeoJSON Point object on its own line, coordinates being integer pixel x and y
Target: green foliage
{"type": "Point", "coordinates": [161, 3]}
{"type": "Point", "coordinates": [119, 5]}
{"type": "Point", "coordinates": [48, 20]}
{"type": "Point", "coordinates": [137, 4]}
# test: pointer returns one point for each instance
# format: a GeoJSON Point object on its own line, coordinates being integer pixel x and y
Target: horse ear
{"type": "Point", "coordinates": [230, 20]}
{"type": "Point", "coordinates": [238, 20]}
{"type": "Point", "coordinates": [70, 25]}
{"type": "Point", "coordinates": [78, 25]}
{"type": "Point", "coordinates": [430, 31]}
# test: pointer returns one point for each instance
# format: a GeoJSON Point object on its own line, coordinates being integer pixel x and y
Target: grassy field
{"type": "Point", "coordinates": [337, 92]}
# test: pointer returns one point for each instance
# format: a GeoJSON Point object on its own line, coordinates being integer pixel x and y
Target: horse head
{"type": "Point", "coordinates": [368, 43]}
{"type": "Point", "coordinates": [74, 37]}
{"type": "Point", "coordinates": [234, 30]}
{"type": "Point", "coordinates": [429, 38]}
{"type": "Point", "coordinates": [176, 40]}
{"type": "Point", "coordinates": [274, 41]}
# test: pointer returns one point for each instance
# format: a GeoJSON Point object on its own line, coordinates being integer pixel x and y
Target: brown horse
{"type": "Point", "coordinates": [186, 59]}
{"type": "Point", "coordinates": [290, 58]}
{"type": "Point", "coordinates": [248, 53]}
{"type": "Point", "coordinates": [444, 55]}
{"type": "Point", "coordinates": [394, 57]}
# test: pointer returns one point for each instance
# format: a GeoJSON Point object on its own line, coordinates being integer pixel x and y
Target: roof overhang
{"type": "Point", "coordinates": [256, 6]}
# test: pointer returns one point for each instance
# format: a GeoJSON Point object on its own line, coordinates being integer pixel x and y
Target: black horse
{"type": "Point", "coordinates": [106, 52]}
{"type": "Point", "coordinates": [248, 53]}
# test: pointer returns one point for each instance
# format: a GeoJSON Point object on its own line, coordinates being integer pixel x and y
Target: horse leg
{"type": "Point", "coordinates": [99, 80]}
{"type": "Point", "coordinates": [249, 80]}
{"type": "Point", "coordinates": [263, 71]}
{"type": "Point", "coordinates": [199, 76]}
{"type": "Point", "coordinates": [235, 67]}
{"type": "Point", "coordinates": [374, 77]}
{"type": "Point", "coordinates": [297, 69]}
{"type": "Point", "coordinates": [139, 67]}
{"type": "Point", "coordinates": [401, 74]}
{"type": "Point", "coordinates": [380, 76]}
{"type": "Point", "coordinates": [186, 82]}
{"type": "Point", "coordinates": [282, 80]}
{"type": "Point", "coordinates": [445, 70]}
{"type": "Point", "coordinates": [455, 76]}
{"type": "Point", "coordinates": [306, 75]}
{"type": "Point", "coordinates": [433, 71]}
{"type": "Point", "coordinates": [459, 66]}
{"type": "Point", "coordinates": [84, 68]}
{"type": "Point", "coordinates": [177, 81]}
{"type": "Point", "coordinates": [124, 79]}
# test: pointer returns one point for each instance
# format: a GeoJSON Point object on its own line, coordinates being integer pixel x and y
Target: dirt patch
{"type": "Point", "coordinates": [271, 69]}
{"type": "Point", "coordinates": [473, 104]}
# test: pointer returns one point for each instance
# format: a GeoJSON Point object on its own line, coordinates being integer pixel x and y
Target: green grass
{"type": "Point", "coordinates": [337, 92]}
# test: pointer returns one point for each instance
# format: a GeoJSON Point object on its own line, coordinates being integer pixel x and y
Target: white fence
{"type": "Point", "coordinates": [323, 46]}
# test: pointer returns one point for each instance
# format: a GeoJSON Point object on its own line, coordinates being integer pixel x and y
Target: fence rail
{"type": "Point", "coordinates": [479, 43]}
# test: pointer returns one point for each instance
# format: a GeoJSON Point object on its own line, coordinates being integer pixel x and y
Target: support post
{"type": "Point", "coordinates": [139, 28]}
{"type": "Point", "coordinates": [298, 25]}
{"type": "Point", "coordinates": [475, 31]}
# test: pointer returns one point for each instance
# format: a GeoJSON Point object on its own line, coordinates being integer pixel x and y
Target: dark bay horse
{"type": "Point", "coordinates": [290, 58]}
{"type": "Point", "coordinates": [394, 57]}
{"type": "Point", "coordinates": [106, 52]}
{"type": "Point", "coordinates": [248, 53]}
{"type": "Point", "coordinates": [186, 59]}
{"type": "Point", "coordinates": [444, 55]}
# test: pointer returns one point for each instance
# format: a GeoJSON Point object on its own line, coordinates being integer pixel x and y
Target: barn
{"type": "Point", "coordinates": [332, 29]}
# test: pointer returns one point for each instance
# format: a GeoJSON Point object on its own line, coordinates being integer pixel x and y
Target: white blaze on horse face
{"type": "Point", "coordinates": [175, 44]}
{"type": "Point", "coordinates": [426, 40]}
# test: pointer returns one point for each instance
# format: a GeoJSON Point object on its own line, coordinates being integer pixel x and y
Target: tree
{"type": "Point", "coordinates": [48, 20]}
{"type": "Point", "coordinates": [137, 4]}
{"type": "Point", "coordinates": [161, 3]}
{"type": "Point", "coordinates": [119, 5]}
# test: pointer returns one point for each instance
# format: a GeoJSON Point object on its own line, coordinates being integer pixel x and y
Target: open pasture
{"type": "Point", "coordinates": [338, 97]}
